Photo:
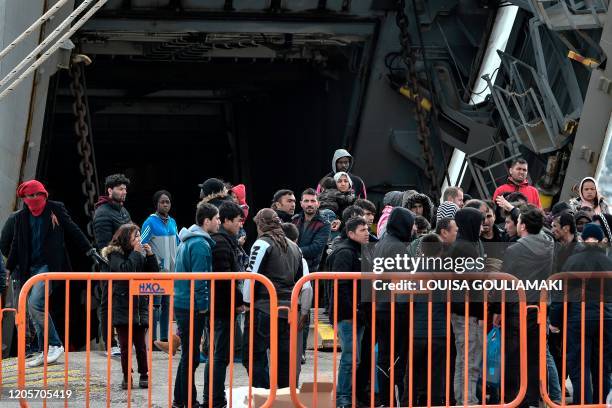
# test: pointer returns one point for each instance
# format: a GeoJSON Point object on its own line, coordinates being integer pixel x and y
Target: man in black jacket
{"type": "Point", "coordinates": [591, 257]}
{"type": "Point", "coordinates": [109, 215]}
{"type": "Point", "coordinates": [531, 257]}
{"type": "Point", "coordinates": [224, 259]}
{"type": "Point", "coordinates": [395, 242]}
{"type": "Point", "coordinates": [38, 247]}
{"type": "Point", "coordinates": [314, 232]}
{"type": "Point", "coordinates": [346, 257]}
{"type": "Point", "coordinates": [469, 221]}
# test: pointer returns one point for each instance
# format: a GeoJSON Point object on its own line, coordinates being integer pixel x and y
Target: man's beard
{"type": "Point", "coordinates": [118, 198]}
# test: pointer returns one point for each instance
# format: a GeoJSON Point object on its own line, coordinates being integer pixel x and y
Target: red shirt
{"type": "Point", "coordinates": [533, 197]}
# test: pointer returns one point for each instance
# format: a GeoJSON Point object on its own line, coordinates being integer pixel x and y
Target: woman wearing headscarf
{"type": "Point", "coordinates": [280, 260]}
{"type": "Point", "coordinates": [589, 196]}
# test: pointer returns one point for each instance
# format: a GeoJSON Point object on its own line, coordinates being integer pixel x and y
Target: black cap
{"type": "Point", "coordinates": [560, 208]}
{"type": "Point", "coordinates": [211, 186]}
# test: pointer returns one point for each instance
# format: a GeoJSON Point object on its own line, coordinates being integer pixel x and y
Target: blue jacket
{"type": "Point", "coordinates": [312, 239]}
{"type": "Point", "coordinates": [194, 255]}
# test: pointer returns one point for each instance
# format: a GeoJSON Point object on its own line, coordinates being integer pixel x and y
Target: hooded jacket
{"type": "Point", "coordinates": [133, 262]}
{"type": "Point", "coordinates": [467, 245]}
{"type": "Point", "coordinates": [411, 197]}
{"type": "Point", "coordinates": [194, 254]}
{"type": "Point", "coordinates": [55, 223]}
{"type": "Point", "coordinates": [108, 217]}
{"type": "Point", "coordinates": [395, 242]}
{"type": "Point", "coordinates": [533, 197]}
{"type": "Point", "coordinates": [313, 238]}
{"type": "Point", "coordinates": [576, 203]}
{"type": "Point", "coordinates": [358, 184]}
{"type": "Point", "coordinates": [391, 200]}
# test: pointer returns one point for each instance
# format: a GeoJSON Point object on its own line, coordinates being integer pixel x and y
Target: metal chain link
{"type": "Point", "coordinates": [84, 148]}
{"type": "Point", "coordinates": [412, 83]}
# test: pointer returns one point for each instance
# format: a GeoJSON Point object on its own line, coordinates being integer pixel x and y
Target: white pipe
{"type": "Point", "coordinates": [604, 151]}
{"type": "Point", "coordinates": [46, 42]}
{"type": "Point", "coordinates": [43, 19]}
{"type": "Point", "coordinates": [54, 48]}
{"type": "Point", "coordinates": [500, 33]}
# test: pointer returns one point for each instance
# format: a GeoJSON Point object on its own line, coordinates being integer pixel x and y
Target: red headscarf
{"type": "Point", "coordinates": [36, 204]}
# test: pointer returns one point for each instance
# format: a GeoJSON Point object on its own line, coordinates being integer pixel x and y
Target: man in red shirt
{"type": "Point", "coordinates": [517, 181]}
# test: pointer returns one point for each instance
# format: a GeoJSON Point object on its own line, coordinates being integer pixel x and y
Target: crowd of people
{"type": "Point", "coordinates": [336, 230]}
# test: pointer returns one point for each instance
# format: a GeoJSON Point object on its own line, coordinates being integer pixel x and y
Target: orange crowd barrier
{"type": "Point", "coordinates": [576, 335]}
{"type": "Point", "coordinates": [409, 334]}
{"type": "Point", "coordinates": [145, 284]}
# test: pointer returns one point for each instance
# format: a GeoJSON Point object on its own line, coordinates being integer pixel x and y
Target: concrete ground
{"type": "Point", "coordinates": [160, 384]}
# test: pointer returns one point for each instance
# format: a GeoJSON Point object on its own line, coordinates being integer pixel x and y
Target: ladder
{"type": "Point", "coordinates": [58, 38]}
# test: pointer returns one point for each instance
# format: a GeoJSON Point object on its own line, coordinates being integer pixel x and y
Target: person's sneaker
{"type": "Point", "coordinates": [144, 381]}
{"type": "Point", "coordinates": [37, 361]}
{"type": "Point", "coordinates": [54, 353]}
{"type": "Point", "coordinates": [124, 383]}
{"type": "Point", "coordinates": [115, 351]}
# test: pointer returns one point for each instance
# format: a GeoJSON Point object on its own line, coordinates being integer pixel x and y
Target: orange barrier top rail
{"type": "Point", "coordinates": [335, 277]}
{"type": "Point", "coordinates": [164, 282]}
{"type": "Point", "coordinates": [603, 280]}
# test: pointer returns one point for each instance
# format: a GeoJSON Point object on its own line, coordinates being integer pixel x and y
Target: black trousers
{"type": "Point", "coordinates": [383, 336]}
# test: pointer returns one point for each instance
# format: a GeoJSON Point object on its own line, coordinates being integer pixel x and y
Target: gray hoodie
{"type": "Point", "coordinates": [530, 258]}
{"type": "Point", "coordinates": [358, 184]}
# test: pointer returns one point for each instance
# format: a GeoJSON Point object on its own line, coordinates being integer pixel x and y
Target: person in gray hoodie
{"type": "Point", "coordinates": [343, 161]}
{"type": "Point", "coordinates": [531, 257]}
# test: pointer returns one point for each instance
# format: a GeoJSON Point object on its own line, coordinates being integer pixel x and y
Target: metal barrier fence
{"type": "Point", "coordinates": [595, 373]}
{"type": "Point", "coordinates": [147, 284]}
{"type": "Point", "coordinates": [354, 278]}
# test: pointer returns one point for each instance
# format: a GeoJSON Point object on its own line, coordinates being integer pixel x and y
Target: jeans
{"type": "Point", "coordinates": [345, 378]}
{"type": "Point", "coordinates": [554, 388]}
{"type": "Point", "coordinates": [221, 343]}
{"type": "Point", "coordinates": [591, 360]}
{"type": "Point", "coordinates": [474, 357]}
{"type": "Point", "coordinates": [261, 345]}
{"type": "Point", "coordinates": [36, 309]}
{"type": "Point", "coordinates": [161, 315]}
{"type": "Point", "coordinates": [181, 383]}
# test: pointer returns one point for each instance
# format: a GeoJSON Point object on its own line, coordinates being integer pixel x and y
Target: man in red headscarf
{"type": "Point", "coordinates": [39, 247]}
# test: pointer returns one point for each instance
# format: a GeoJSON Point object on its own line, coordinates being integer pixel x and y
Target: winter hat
{"type": "Point", "coordinates": [446, 210]}
{"type": "Point", "coordinates": [31, 187]}
{"type": "Point", "coordinates": [240, 191]}
{"type": "Point", "coordinates": [342, 173]}
{"type": "Point", "coordinates": [212, 186]}
{"type": "Point", "coordinates": [592, 230]}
